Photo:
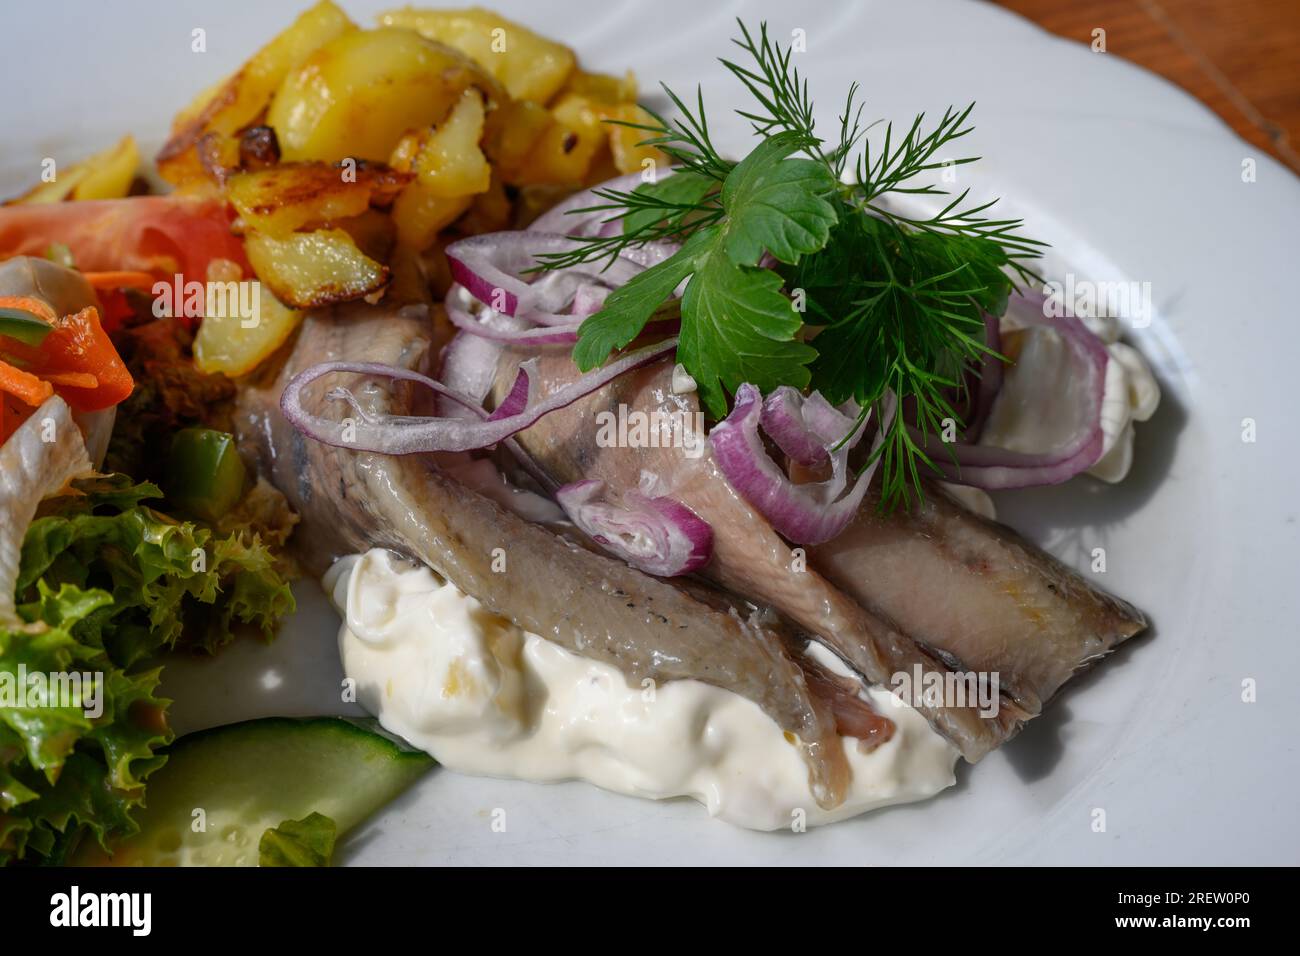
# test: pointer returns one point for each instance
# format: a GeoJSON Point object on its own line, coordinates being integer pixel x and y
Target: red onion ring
{"type": "Point", "coordinates": [409, 435]}
{"type": "Point", "coordinates": [992, 468]}
{"type": "Point", "coordinates": [492, 268]}
{"type": "Point", "coordinates": [659, 536]}
{"type": "Point", "coordinates": [805, 514]}
{"type": "Point", "coordinates": [806, 427]}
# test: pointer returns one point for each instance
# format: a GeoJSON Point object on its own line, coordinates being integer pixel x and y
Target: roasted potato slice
{"type": "Point", "coordinates": [450, 169]}
{"type": "Point", "coordinates": [239, 101]}
{"type": "Point", "coordinates": [568, 144]}
{"type": "Point", "coordinates": [284, 198]}
{"type": "Point", "coordinates": [490, 211]}
{"type": "Point", "coordinates": [105, 175]}
{"type": "Point", "coordinates": [602, 88]}
{"type": "Point", "coordinates": [450, 162]}
{"type": "Point", "coordinates": [373, 231]}
{"type": "Point", "coordinates": [306, 270]}
{"type": "Point", "coordinates": [420, 215]}
{"type": "Point", "coordinates": [226, 344]}
{"type": "Point", "coordinates": [218, 156]}
{"type": "Point", "coordinates": [567, 147]}
{"type": "Point", "coordinates": [357, 95]}
{"type": "Point", "coordinates": [529, 66]}
{"type": "Point", "coordinates": [512, 130]}
{"type": "Point", "coordinates": [625, 141]}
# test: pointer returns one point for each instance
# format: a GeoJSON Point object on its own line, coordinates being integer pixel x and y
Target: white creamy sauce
{"type": "Point", "coordinates": [1036, 404]}
{"type": "Point", "coordinates": [484, 697]}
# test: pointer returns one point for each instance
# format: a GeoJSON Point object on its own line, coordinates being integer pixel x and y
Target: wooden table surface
{"type": "Point", "coordinates": [1239, 57]}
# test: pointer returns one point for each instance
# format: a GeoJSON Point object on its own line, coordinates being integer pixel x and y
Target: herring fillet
{"type": "Point", "coordinates": [991, 599]}
{"type": "Point", "coordinates": [885, 610]}
{"type": "Point", "coordinates": [583, 601]}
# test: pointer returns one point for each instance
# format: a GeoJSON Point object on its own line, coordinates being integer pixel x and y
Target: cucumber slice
{"type": "Point", "coordinates": [251, 776]}
{"type": "Point", "coordinates": [24, 326]}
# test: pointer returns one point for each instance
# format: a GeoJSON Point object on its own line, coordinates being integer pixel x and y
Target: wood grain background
{"type": "Point", "coordinates": [1240, 57]}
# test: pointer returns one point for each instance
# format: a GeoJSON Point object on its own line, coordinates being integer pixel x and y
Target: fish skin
{"type": "Point", "coordinates": [749, 558]}
{"type": "Point", "coordinates": [583, 601]}
{"type": "Point", "coordinates": [992, 600]}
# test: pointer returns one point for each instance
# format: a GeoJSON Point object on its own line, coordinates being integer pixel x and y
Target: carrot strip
{"type": "Point", "coordinates": [120, 280]}
{"type": "Point", "coordinates": [72, 379]}
{"type": "Point", "coordinates": [13, 412]}
{"type": "Point", "coordinates": [23, 385]}
{"type": "Point", "coordinates": [79, 345]}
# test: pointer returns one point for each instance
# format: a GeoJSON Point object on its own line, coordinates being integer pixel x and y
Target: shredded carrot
{"type": "Point", "coordinates": [79, 358]}
{"type": "Point", "coordinates": [120, 280]}
{"type": "Point", "coordinates": [37, 307]}
{"type": "Point", "coordinates": [23, 385]}
{"type": "Point", "coordinates": [72, 379]}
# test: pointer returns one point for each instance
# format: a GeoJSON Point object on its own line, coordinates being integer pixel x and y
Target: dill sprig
{"type": "Point", "coordinates": [863, 301]}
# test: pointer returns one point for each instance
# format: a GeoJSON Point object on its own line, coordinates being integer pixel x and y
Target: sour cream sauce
{"type": "Point", "coordinates": [484, 697]}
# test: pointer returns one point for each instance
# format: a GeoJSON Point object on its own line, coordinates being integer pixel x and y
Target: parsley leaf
{"type": "Point", "coordinates": [897, 300]}
{"type": "Point", "coordinates": [776, 204]}
{"type": "Point", "coordinates": [738, 327]}
{"type": "Point", "coordinates": [630, 306]}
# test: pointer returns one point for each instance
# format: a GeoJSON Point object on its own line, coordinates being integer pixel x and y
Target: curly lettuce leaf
{"type": "Point", "coordinates": [106, 583]}
{"type": "Point", "coordinates": [74, 757]}
{"type": "Point", "coordinates": [169, 580]}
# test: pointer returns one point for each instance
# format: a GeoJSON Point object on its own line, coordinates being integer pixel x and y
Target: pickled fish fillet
{"type": "Point", "coordinates": [978, 593]}
{"type": "Point", "coordinates": [830, 594]}
{"type": "Point", "coordinates": [581, 600]}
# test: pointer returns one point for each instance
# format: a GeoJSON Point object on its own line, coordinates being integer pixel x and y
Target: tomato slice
{"type": "Point", "coordinates": [161, 235]}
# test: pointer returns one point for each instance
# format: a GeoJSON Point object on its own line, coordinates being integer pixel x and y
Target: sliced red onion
{"type": "Point", "coordinates": [521, 392]}
{"type": "Point", "coordinates": [806, 428]}
{"type": "Point", "coordinates": [590, 299]}
{"type": "Point", "coordinates": [992, 468]}
{"type": "Point", "coordinates": [805, 514]}
{"type": "Point", "coordinates": [564, 218]}
{"type": "Point", "coordinates": [659, 536]}
{"type": "Point", "coordinates": [493, 266]}
{"type": "Point", "coordinates": [542, 335]}
{"type": "Point", "coordinates": [984, 384]}
{"type": "Point", "coordinates": [469, 367]}
{"type": "Point", "coordinates": [408, 435]}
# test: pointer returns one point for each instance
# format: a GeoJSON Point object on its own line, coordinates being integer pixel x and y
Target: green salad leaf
{"type": "Point", "coordinates": [75, 755]}
{"type": "Point", "coordinates": [167, 578]}
{"type": "Point", "coordinates": [737, 326]}
{"type": "Point", "coordinates": [105, 583]}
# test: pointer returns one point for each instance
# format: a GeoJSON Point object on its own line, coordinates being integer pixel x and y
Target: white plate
{"type": "Point", "coordinates": [1130, 179]}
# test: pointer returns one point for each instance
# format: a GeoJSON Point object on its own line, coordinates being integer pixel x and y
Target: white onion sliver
{"type": "Point", "coordinates": [492, 268]}
{"type": "Point", "coordinates": [542, 335]}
